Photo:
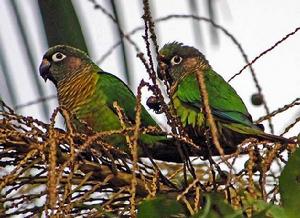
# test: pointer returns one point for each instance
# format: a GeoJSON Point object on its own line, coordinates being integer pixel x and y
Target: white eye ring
{"type": "Point", "coordinates": [176, 60]}
{"type": "Point", "coordinates": [58, 56]}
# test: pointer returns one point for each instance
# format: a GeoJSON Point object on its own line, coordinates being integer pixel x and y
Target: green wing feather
{"type": "Point", "coordinates": [116, 90]}
{"type": "Point", "coordinates": [100, 114]}
{"type": "Point", "coordinates": [223, 99]}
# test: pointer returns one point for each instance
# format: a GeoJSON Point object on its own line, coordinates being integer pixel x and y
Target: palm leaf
{"type": "Point", "coordinates": [123, 48]}
{"type": "Point", "coordinates": [7, 77]}
{"type": "Point", "coordinates": [61, 23]}
{"type": "Point", "coordinates": [26, 42]}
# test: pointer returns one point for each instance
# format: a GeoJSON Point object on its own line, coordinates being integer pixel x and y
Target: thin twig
{"type": "Point", "coordinates": [217, 26]}
{"type": "Point", "coordinates": [265, 52]}
{"type": "Point", "coordinates": [209, 116]}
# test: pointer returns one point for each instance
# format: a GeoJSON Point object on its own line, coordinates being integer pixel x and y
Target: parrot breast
{"type": "Point", "coordinates": [77, 91]}
{"type": "Point", "coordinates": [189, 115]}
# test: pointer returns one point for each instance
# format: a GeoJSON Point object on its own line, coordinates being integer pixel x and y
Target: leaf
{"type": "Point", "coordinates": [211, 8]}
{"type": "Point", "coordinates": [61, 23]}
{"type": "Point", "coordinates": [124, 51]}
{"type": "Point", "coordinates": [268, 209]}
{"type": "Point", "coordinates": [216, 207]}
{"type": "Point", "coordinates": [159, 207]}
{"type": "Point", "coordinates": [27, 42]}
{"type": "Point", "coordinates": [11, 94]}
{"type": "Point", "coordinates": [1, 104]}
{"type": "Point", "coordinates": [198, 34]}
{"type": "Point", "coordinates": [289, 185]}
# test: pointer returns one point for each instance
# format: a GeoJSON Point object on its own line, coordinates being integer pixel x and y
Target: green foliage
{"type": "Point", "coordinates": [159, 207]}
{"type": "Point", "coordinates": [7, 77]}
{"type": "Point", "coordinates": [61, 24]}
{"type": "Point", "coordinates": [216, 207]}
{"type": "Point", "coordinates": [268, 209]}
{"type": "Point", "coordinates": [289, 184]}
{"type": "Point", "coordinates": [123, 48]}
{"type": "Point", "coordinates": [26, 40]}
{"type": "Point", "coordinates": [1, 104]}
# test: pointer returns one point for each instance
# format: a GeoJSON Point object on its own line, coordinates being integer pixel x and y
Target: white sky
{"type": "Point", "coordinates": [256, 24]}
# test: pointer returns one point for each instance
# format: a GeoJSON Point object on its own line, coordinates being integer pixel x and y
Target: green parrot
{"type": "Point", "coordinates": [88, 93]}
{"type": "Point", "coordinates": [178, 64]}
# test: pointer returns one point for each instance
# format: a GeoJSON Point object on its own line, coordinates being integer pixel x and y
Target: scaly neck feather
{"type": "Point", "coordinates": [76, 90]}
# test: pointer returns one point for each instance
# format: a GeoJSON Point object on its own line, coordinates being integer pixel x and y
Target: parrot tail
{"type": "Point", "coordinates": [275, 138]}
{"type": "Point", "coordinates": [257, 132]}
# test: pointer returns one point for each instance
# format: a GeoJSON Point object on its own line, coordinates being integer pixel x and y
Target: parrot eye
{"type": "Point", "coordinates": [176, 60]}
{"type": "Point", "coordinates": [58, 57]}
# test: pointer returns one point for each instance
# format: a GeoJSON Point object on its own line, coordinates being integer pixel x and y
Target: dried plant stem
{"type": "Point", "coordinates": [10, 177]}
{"type": "Point", "coordinates": [208, 114]}
{"type": "Point", "coordinates": [297, 120]}
{"type": "Point", "coordinates": [279, 110]}
{"type": "Point", "coordinates": [122, 118]}
{"type": "Point", "coordinates": [110, 16]}
{"type": "Point", "coordinates": [134, 150]}
{"type": "Point", "coordinates": [250, 167]}
{"type": "Point", "coordinates": [193, 184]}
{"type": "Point", "coordinates": [82, 174]}
{"type": "Point", "coordinates": [52, 179]}
{"type": "Point", "coordinates": [172, 120]}
{"type": "Point", "coordinates": [265, 52]}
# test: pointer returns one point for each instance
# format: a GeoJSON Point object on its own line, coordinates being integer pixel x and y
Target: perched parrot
{"type": "Point", "coordinates": [88, 93]}
{"type": "Point", "coordinates": [178, 64]}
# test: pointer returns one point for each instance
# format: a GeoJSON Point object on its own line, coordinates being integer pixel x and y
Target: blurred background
{"type": "Point", "coordinates": [28, 28]}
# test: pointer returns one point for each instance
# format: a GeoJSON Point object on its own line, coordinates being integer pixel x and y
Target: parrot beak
{"type": "Point", "coordinates": [44, 69]}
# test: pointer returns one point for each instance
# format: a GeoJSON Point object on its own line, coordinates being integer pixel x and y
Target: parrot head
{"type": "Point", "coordinates": [61, 62]}
{"type": "Point", "coordinates": [176, 59]}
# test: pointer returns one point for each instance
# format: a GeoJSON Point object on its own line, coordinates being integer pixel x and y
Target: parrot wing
{"type": "Point", "coordinates": [225, 103]}
{"type": "Point", "coordinates": [116, 90]}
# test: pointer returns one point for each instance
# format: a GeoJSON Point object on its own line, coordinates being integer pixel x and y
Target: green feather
{"type": "Point", "coordinates": [117, 90]}
{"type": "Point", "coordinates": [89, 93]}
{"type": "Point", "coordinates": [222, 97]}
{"type": "Point", "coordinates": [229, 111]}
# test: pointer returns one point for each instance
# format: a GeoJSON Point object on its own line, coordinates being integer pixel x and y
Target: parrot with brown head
{"type": "Point", "coordinates": [178, 66]}
{"type": "Point", "coordinates": [88, 93]}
